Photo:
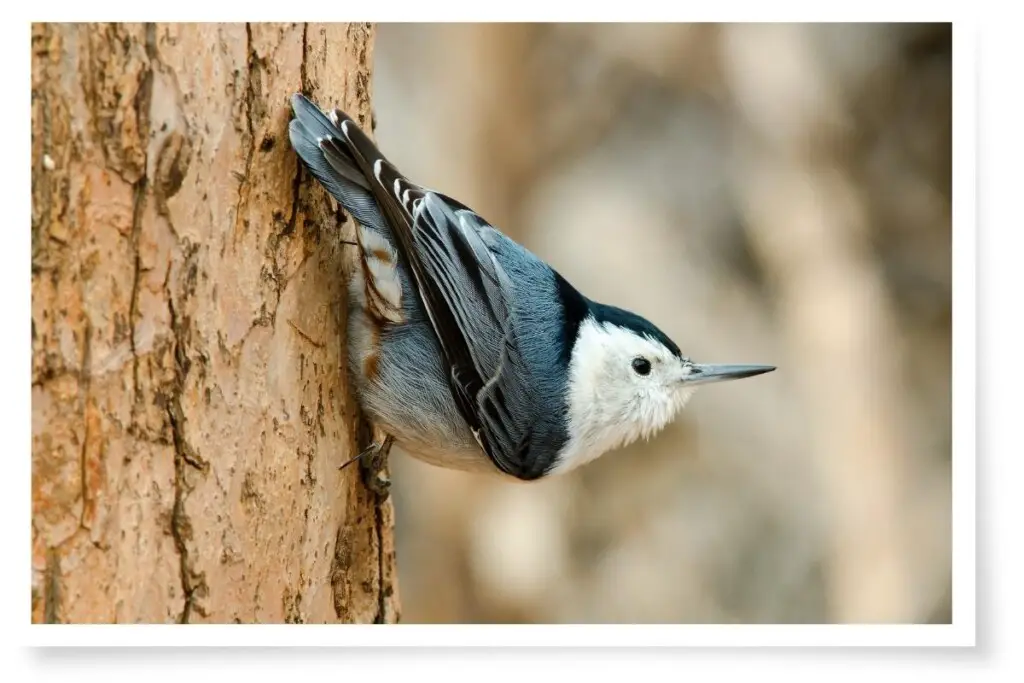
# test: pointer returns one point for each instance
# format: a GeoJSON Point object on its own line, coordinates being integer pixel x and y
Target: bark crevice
{"type": "Point", "coordinates": [186, 460]}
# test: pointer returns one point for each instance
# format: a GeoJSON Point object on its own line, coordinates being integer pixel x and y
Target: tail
{"type": "Point", "coordinates": [320, 143]}
{"type": "Point", "coordinates": [347, 162]}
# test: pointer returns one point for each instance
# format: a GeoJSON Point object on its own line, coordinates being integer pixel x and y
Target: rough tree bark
{"type": "Point", "coordinates": [189, 403]}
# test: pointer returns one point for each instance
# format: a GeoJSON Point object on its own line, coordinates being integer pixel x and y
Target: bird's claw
{"type": "Point", "coordinates": [373, 464]}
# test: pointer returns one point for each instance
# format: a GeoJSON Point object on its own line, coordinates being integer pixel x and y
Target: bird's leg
{"type": "Point", "coordinates": [374, 466]}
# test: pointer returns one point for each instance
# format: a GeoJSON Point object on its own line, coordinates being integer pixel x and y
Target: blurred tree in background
{"type": "Point", "coordinates": [766, 193]}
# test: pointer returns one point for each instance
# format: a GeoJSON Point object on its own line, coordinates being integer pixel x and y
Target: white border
{"type": "Point", "coordinates": [17, 409]}
{"type": "Point", "coordinates": [487, 635]}
{"type": "Point", "coordinates": [964, 382]}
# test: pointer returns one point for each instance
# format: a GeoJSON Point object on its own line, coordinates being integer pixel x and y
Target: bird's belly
{"type": "Point", "coordinates": [403, 391]}
{"type": "Point", "coordinates": [454, 457]}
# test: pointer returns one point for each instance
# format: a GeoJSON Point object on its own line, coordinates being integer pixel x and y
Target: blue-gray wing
{"type": "Point", "coordinates": [493, 378]}
{"type": "Point", "coordinates": [465, 291]}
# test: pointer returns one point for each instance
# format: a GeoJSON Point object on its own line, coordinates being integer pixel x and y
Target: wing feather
{"type": "Point", "coordinates": [467, 295]}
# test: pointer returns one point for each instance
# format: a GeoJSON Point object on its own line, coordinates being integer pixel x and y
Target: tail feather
{"type": "Point", "coordinates": [320, 144]}
{"type": "Point", "coordinates": [348, 146]}
{"type": "Point", "coordinates": [315, 130]}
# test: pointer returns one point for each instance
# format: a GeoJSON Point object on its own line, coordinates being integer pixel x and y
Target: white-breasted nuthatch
{"type": "Point", "coordinates": [469, 351]}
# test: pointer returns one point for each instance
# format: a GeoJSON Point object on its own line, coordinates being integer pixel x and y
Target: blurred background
{"type": "Point", "coordinates": [764, 193]}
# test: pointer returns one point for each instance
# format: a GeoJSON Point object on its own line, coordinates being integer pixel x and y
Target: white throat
{"type": "Point", "coordinates": [609, 406]}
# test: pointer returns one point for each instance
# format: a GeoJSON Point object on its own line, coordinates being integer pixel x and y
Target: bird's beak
{"type": "Point", "coordinates": [705, 374]}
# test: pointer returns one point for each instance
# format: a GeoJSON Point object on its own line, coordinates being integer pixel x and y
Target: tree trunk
{"type": "Point", "coordinates": [189, 402]}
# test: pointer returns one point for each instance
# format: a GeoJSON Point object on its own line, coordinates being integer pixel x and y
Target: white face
{"type": "Point", "coordinates": [622, 387]}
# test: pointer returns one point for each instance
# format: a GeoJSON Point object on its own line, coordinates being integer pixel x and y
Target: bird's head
{"type": "Point", "coordinates": [628, 380]}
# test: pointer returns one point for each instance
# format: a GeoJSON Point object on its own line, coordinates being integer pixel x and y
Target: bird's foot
{"type": "Point", "coordinates": [373, 464]}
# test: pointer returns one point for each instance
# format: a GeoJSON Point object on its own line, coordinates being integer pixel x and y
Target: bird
{"type": "Point", "coordinates": [469, 351]}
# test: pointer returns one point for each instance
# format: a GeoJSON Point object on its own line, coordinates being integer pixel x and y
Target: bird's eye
{"type": "Point", "coordinates": [641, 365]}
